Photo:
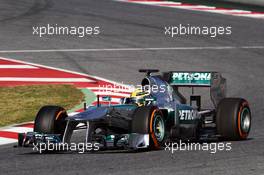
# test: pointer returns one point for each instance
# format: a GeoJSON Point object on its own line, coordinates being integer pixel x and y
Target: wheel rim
{"type": "Point", "coordinates": [245, 120]}
{"type": "Point", "coordinates": [159, 128]}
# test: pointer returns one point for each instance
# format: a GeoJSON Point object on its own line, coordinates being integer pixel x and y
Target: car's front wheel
{"type": "Point", "coordinates": [150, 120]}
{"type": "Point", "coordinates": [50, 120]}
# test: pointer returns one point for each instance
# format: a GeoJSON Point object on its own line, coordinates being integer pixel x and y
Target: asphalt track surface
{"type": "Point", "coordinates": [138, 26]}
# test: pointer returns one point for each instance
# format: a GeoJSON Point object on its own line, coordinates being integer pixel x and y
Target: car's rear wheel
{"type": "Point", "coordinates": [149, 120]}
{"type": "Point", "coordinates": [233, 119]}
{"type": "Point", "coordinates": [50, 120]}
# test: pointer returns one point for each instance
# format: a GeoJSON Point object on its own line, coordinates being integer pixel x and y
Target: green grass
{"type": "Point", "coordinates": [21, 103]}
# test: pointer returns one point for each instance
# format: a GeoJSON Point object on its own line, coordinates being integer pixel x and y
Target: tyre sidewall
{"type": "Point", "coordinates": [155, 143]}
{"type": "Point", "coordinates": [50, 120]}
{"type": "Point", "coordinates": [141, 124]}
{"type": "Point", "coordinates": [228, 118]}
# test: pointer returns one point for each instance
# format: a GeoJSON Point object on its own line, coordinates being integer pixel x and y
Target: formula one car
{"type": "Point", "coordinates": [154, 114]}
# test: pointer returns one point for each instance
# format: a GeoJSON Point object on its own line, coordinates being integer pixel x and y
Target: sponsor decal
{"type": "Point", "coordinates": [195, 78]}
{"type": "Point", "coordinates": [188, 114]}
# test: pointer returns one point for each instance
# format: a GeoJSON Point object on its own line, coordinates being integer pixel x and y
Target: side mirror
{"type": "Point", "coordinates": [107, 98]}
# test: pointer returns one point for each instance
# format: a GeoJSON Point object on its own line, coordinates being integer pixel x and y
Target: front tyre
{"type": "Point", "coordinates": [50, 120]}
{"type": "Point", "coordinates": [233, 119]}
{"type": "Point", "coordinates": [150, 120]}
{"type": "Point", "coordinates": [157, 129]}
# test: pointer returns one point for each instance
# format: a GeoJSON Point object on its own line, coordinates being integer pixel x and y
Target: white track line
{"type": "Point", "coordinates": [155, 2]}
{"type": "Point", "coordinates": [4, 140]}
{"type": "Point", "coordinates": [134, 49]}
{"type": "Point", "coordinates": [45, 79]}
{"type": "Point", "coordinates": [7, 66]}
{"type": "Point", "coordinates": [250, 15]}
{"type": "Point", "coordinates": [18, 129]}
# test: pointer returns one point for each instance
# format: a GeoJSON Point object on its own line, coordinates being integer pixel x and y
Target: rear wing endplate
{"type": "Point", "coordinates": [213, 80]}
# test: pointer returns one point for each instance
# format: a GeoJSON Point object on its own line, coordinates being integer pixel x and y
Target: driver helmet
{"type": "Point", "coordinates": [138, 95]}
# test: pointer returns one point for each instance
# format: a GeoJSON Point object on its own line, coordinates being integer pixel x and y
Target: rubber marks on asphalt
{"type": "Point", "coordinates": [203, 8]}
{"type": "Point", "coordinates": [16, 73]}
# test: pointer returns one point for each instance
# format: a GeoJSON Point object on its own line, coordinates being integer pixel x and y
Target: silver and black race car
{"type": "Point", "coordinates": [155, 114]}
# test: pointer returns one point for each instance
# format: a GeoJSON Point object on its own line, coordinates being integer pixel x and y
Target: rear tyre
{"type": "Point", "coordinates": [50, 120]}
{"type": "Point", "coordinates": [149, 120]}
{"type": "Point", "coordinates": [233, 119]}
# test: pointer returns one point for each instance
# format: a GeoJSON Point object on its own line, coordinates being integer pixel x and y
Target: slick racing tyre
{"type": "Point", "coordinates": [233, 119]}
{"type": "Point", "coordinates": [149, 120]}
{"type": "Point", "coordinates": [50, 120]}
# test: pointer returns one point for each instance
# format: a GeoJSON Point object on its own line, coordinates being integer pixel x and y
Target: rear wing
{"type": "Point", "coordinates": [212, 80]}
